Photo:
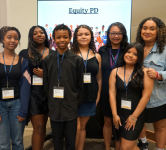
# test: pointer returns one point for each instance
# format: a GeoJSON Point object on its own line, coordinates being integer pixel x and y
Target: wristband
{"type": "Point", "coordinates": [157, 75]}
{"type": "Point", "coordinates": [134, 119]}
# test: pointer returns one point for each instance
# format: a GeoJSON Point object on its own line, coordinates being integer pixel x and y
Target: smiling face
{"type": "Point", "coordinates": [83, 36]}
{"type": "Point", "coordinates": [38, 36]}
{"type": "Point", "coordinates": [131, 56]}
{"type": "Point", "coordinates": [149, 31]}
{"type": "Point", "coordinates": [11, 40]}
{"type": "Point", "coordinates": [115, 35]}
{"type": "Point", "coordinates": [62, 39]}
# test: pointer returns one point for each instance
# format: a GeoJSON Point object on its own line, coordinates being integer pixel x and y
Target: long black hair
{"type": "Point", "coordinates": [36, 56]}
{"type": "Point", "coordinates": [75, 45]}
{"type": "Point", "coordinates": [138, 73]}
{"type": "Point", "coordinates": [161, 32]}
{"type": "Point", "coordinates": [124, 41]}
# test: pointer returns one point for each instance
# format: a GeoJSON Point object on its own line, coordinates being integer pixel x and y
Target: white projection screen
{"type": "Point", "coordinates": [98, 14]}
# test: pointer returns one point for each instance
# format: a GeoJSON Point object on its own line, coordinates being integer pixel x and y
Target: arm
{"type": "Point", "coordinates": [146, 93]}
{"type": "Point", "coordinates": [112, 98]}
{"type": "Point", "coordinates": [25, 85]}
{"type": "Point", "coordinates": [99, 78]}
{"type": "Point", "coordinates": [79, 80]}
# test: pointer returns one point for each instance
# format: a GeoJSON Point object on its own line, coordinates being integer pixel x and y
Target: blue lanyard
{"type": "Point", "coordinates": [59, 66]}
{"type": "Point", "coordinates": [7, 74]}
{"type": "Point", "coordinates": [85, 61]}
{"type": "Point", "coordinates": [115, 60]}
{"type": "Point", "coordinates": [126, 85]}
{"type": "Point", "coordinates": [42, 56]}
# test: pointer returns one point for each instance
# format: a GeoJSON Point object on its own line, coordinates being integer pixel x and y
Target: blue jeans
{"type": "Point", "coordinates": [10, 127]}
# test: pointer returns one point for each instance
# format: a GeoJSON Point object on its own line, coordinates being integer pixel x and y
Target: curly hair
{"type": "Point", "coordinates": [75, 45]}
{"type": "Point", "coordinates": [36, 56]}
{"type": "Point", "coordinates": [124, 41]}
{"type": "Point", "coordinates": [161, 33]}
{"type": "Point", "coordinates": [5, 29]}
{"type": "Point", "coordinates": [61, 27]}
{"type": "Point", "coordinates": [138, 71]}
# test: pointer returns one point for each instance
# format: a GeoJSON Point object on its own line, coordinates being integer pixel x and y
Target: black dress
{"type": "Point", "coordinates": [106, 71]}
{"type": "Point", "coordinates": [38, 100]}
{"type": "Point", "coordinates": [134, 94]}
{"type": "Point", "coordinates": [88, 108]}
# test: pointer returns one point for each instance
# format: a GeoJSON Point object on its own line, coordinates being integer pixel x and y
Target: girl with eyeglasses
{"type": "Point", "coordinates": [111, 54]}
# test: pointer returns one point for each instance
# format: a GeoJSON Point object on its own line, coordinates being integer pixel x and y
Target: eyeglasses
{"type": "Point", "coordinates": [114, 34]}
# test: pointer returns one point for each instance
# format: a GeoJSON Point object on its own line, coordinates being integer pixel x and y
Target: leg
{"type": "Point", "coordinates": [117, 145]}
{"type": "Point", "coordinates": [128, 145]}
{"type": "Point", "coordinates": [57, 134]}
{"type": "Point", "coordinates": [39, 130]}
{"type": "Point", "coordinates": [16, 127]}
{"type": "Point", "coordinates": [160, 133]}
{"type": "Point", "coordinates": [143, 143]}
{"type": "Point", "coordinates": [143, 132]}
{"type": "Point", "coordinates": [78, 131]}
{"type": "Point", "coordinates": [4, 127]}
{"type": "Point", "coordinates": [83, 122]}
{"type": "Point", "coordinates": [107, 132]}
{"type": "Point", "coordinates": [70, 134]}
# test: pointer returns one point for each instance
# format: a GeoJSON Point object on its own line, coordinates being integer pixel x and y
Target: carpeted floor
{"type": "Point", "coordinates": [90, 144]}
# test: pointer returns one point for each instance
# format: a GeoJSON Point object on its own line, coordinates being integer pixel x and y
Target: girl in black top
{"type": "Point", "coordinates": [38, 49]}
{"type": "Point", "coordinates": [14, 91]}
{"type": "Point", "coordinates": [130, 89]}
{"type": "Point", "coordinates": [83, 45]}
{"type": "Point", "coordinates": [111, 55]}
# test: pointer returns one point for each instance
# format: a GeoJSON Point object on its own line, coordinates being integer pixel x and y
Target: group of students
{"type": "Point", "coordinates": [66, 85]}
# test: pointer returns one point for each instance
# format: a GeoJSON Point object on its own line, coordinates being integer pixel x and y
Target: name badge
{"type": "Point", "coordinates": [126, 104]}
{"type": "Point", "coordinates": [7, 93]}
{"type": "Point", "coordinates": [37, 80]}
{"type": "Point", "coordinates": [58, 92]}
{"type": "Point", "coordinates": [87, 77]}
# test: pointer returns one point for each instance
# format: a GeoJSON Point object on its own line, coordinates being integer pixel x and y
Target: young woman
{"type": "Point", "coordinates": [111, 54]}
{"type": "Point", "coordinates": [15, 90]}
{"type": "Point", "coordinates": [83, 45]}
{"type": "Point", "coordinates": [129, 88]}
{"type": "Point", "coordinates": [152, 34]}
{"type": "Point", "coordinates": [38, 49]}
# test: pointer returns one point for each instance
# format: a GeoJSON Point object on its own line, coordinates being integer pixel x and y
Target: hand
{"type": "Point", "coordinates": [38, 72]}
{"type": "Point", "coordinates": [152, 73]}
{"type": "Point", "coordinates": [130, 122]}
{"type": "Point", "coordinates": [0, 118]}
{"type": "Point", "coordinates": [117, 122]}
{"type": "Point", "coordinates": [20, 118]}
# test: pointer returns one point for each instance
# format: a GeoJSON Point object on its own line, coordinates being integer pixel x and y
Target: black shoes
{"type": "Point", "coordinates": [142, 146]}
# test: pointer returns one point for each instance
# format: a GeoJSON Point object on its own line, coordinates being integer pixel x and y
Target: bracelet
{"type": "Point", "coordinates": [134, 119]}
{"type": "Point", "coordinates": [157, 75]}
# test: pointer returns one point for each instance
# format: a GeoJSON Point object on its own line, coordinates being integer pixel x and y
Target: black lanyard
{"type": "Point", "coordinates": [126, 85]}
{"type": "Point", "coordinates": [7, 74]}
{"type": "Point", "coordinates": [85, 61]}
{"type": "Point", "coordinates": [59, 66]}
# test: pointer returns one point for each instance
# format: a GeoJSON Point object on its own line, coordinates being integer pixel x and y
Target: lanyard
{"type": "Point", "coordinates": [126, 85]}
{"type": "Point", "coordinates": [7, 74]}
{"type": "Point", "coordinates": [42, 56]}
{"type": "Point", "coordinates": [59, 66]}
{"type": "Point", "coordinates": [114, 58]}
{"type": "Point", "coordinates": [85, 61]}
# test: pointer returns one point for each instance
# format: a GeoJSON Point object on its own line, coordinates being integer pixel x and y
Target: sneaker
{"type": "Point", "coordinates": [142, 146]}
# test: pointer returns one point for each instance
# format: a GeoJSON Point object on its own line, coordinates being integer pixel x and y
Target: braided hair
{"type": "Point", "coordinates": [4, 30]}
